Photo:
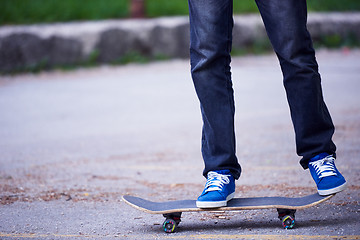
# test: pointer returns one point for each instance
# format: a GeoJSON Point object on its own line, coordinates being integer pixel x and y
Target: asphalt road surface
{"type": "Point", "coordinates": [72, 143]}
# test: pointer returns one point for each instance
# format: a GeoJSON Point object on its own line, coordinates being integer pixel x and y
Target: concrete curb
{"type": "Point", "coordinates": [50, 45]}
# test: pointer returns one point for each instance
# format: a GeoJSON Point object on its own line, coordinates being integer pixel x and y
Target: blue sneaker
{"type": "Point", "coordinates": [219, 189]}
{"type": "Point", "coordinates": [325, 174]}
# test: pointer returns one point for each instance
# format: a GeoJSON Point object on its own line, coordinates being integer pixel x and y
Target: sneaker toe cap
{"type": "Point", "coordinates": [211, 196]}
{"type": "Point", "coordinates": [331, 182]}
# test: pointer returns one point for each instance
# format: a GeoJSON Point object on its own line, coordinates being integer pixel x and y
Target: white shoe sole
{"type": "Point", "coordinates": [213, 204]}
{"type": "Point", "coordinates": [333, 190]}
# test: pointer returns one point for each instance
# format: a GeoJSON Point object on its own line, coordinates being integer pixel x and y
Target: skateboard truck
{"type": "Point", "coordinates": [287, 217]}
{"type": "Point", "coordinates": [171, 222]}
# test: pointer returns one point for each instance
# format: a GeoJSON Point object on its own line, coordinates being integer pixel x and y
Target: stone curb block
{"type": "Point", "coordinates": [72, 43]}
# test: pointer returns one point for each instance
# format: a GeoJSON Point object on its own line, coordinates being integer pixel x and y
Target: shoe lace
{"type": "Point", "coordinates": [216, 181]}
{"type": "Point", "coordinates": [324, 167]}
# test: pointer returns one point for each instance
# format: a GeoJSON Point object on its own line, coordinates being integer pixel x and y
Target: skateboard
{"type": "Point", "coordinates": [172, 210]}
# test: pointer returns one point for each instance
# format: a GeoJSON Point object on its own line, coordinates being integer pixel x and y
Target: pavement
{"type": "Point", "coordinates": [72, 143]}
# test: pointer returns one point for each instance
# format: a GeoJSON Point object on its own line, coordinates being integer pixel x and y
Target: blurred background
{"type": "Point", "coordinates": [36, 35]}
{"type": "Point", "coordinates": [41, 11]}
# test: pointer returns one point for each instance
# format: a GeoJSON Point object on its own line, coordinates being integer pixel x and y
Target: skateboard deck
{"type": "Point", "coordinates": [172, 209]}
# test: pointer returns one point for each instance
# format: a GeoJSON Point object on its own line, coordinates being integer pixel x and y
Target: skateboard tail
{"type": "Point", "coordinates": [154, 207]}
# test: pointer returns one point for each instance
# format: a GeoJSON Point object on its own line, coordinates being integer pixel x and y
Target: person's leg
{"type": "Point", "coordinates": [211, 26]}
{"type": "Point", "coordinates": [285, 22]}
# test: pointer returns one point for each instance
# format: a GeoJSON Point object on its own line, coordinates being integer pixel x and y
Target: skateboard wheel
{"type": "Point", "coordinates": [288, 221]}
{"type": "Point", "coordinates": [169, 225]}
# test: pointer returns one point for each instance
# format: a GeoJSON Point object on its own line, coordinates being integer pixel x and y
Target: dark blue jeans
{"type": "Point", "coordinates": [211, 23]}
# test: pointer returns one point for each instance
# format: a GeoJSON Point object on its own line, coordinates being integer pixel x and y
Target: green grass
{"type": "Point", "coordinates": [39, 11]}
{"type": "Point", "coordinates": [158, 8]}
{"type": "Point", "coordinates": [34, 11]}
{"type": "Point", "coordinates": [333, 5]}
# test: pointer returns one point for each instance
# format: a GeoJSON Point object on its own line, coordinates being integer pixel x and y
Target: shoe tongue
{"type": "Point", "coordinates": [319, 156]}
{"type": "Point", "coordinates": [224, 172]}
